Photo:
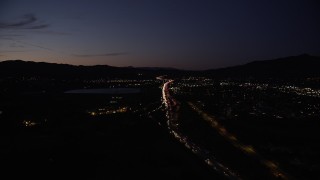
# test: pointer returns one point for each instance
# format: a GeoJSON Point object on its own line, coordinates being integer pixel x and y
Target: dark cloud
{"type": "Point", "coordinates": [34, 45]}
{"type": "Point", "coordinates": [14, 45]}
{"type": "Point", "coordinates": [9, 36]}
{"type": "Point", "coordinates": [53, 32]}
{"type": "Point", "coordinates": [101, 55]}
{"type": "Point", "coordinates": [10, 51]}
{"type": "Point", "coordinates": [28, 21]}
{"type": "Point", "coordinates": [38, 26]}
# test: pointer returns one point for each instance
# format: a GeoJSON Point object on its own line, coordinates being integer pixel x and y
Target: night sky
{"type": "Point", "coordinates": [185, 34]}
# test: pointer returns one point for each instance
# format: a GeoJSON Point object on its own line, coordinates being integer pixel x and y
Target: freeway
{"type": "Point", "coordinates": [247, 149]}
{"type": "Point", "coordinates": [172, 107]}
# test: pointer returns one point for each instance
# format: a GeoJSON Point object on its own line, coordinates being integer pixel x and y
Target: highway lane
{"type": "Point", "coordinates": [172, 107]}
{"type": "Point", "coordinates": [275, 170]}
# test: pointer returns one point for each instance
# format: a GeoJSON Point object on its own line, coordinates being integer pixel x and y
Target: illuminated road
{"type": "Point", "coordinates": [247, 149]}
{"type": "Point", "coordinates": [172, 107]}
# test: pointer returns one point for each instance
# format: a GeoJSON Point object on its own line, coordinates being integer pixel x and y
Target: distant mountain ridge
{"type": "Point", "coordinates": [293, 66]}
{"type": "Point", "coordinates": [16, 68]}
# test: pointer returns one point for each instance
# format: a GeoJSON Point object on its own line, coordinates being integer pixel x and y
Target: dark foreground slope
{"type": "Point", "coordinates": [67, 143]}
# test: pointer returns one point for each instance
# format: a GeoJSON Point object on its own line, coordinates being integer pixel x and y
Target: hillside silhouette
{"type": "Point", "coordinates": [18, 68]}
{"type": "Point", "coordinates": [294, 66]}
